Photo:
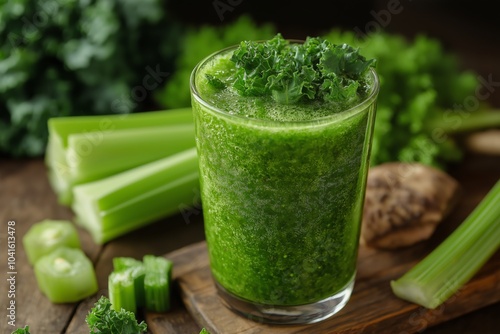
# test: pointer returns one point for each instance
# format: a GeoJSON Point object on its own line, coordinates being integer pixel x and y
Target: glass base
{"type": "Point", "coordinates": [287, 315]}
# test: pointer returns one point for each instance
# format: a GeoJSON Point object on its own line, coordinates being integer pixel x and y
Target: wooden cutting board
{"type": "Point", "coordinates": [372, 308]}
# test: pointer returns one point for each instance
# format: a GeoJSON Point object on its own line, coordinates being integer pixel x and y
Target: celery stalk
{"type": "Point", "coordinates": [86, 148]}
{"type": "Point", "coordinates": [122, 263]}
{"type": "Point", "coordinates": [121, 150]}
{"type": "Point", "coordinates": [457, 259]}
{"type": "Point", "coordinates": [135, 269]}
{"type": "Point", "coordinates": [123, 202]}
{"type": "Point", "coordinates": [121, 289]}
{"type": "Point", "coordinates": [157, 282]}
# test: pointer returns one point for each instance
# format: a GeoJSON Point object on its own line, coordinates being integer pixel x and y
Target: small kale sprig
{"type": "Point", "coordinates": [25, 330]}
{"type": "Point", "coordinates": [105, 320]}
{"type": "Point", "coordinates": [290, 72]}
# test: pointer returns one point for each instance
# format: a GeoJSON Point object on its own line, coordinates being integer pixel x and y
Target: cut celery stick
{"type": "Point", "coordinates": [45, 236]}
{"type": "Point", "coordinates": [66, 275]}
{"type": "Point", "coordinates": [157, 283]}
{"type": "Point", "coordinates": [118, 204]}
{"type": "Point", "coordinates": [86, 148]}
{"type": "Point", "coordinates": [457, 259]}
{"type": "Point", "coordinates": [135, 269]}
{"type": "Point", "coordinates": [121, 289]}
{"type": "Point", "coordinates": [121, 263]}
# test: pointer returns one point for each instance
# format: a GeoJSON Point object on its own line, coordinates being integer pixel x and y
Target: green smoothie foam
{"type": "Point", "coordinates": [282, 188]}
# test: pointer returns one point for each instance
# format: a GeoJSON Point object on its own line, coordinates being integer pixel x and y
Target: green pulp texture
{"type": "Point", "coordinates": [282, 201]}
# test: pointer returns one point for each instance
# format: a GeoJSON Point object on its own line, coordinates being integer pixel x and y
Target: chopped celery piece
{"type": "Point", "coordinates": [118, 204]}
{"type": "Point", "coordinates": [86, 148]}
{"type": "Point", "coordinates": [121, 263]}
{"type": "Point", "coordinates": [66, 275]}
{"type": "Point", "coordinates": [121, 289]}
{"type": "Point", "coordinates": [457, 259]}
{"type": "Point", "coordinates": [45, 236]}
{"type": "Point", "coordinates": [157, 282]}
{"type": "Point", "coordinates": [135, 270]}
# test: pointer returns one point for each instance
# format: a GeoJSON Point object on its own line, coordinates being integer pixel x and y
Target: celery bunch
{"type": "Point", "coordinates": [120, 172]}
{"type": "Point", "coordinates": [86, 148]}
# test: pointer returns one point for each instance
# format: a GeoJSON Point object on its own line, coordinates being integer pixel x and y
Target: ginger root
{"type": "Point", "coordinates": [404, 204]}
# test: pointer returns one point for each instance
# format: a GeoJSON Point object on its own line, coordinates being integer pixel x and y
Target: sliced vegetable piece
{"type": "Point", "coordinates": [66, 275]}
{"type": "Point", "coordinates": [122, 263]}
{"type": "Point", "coordinates": [118, 204]}
{"type": "Point", "coordinates": [157, 283]}
{"type": "Point", "coordinates": [134, 269]}
{"type": "Point", "coordinates": [121, 289]}
{"type": "Point", "coordinates": [45, 236]}
{"type": "Point", "coordinates": [457, 259]}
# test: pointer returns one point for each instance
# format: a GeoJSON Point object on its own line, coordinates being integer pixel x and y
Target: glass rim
{"type": "Point", "coordinates": [337, 116]}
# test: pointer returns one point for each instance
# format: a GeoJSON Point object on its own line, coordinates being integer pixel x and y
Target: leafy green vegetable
{"type": "Point", "coordinates": [25, 330]}
{"type": "Point", "coordinates": [204, 331]}
{"type": "Point", "coordinates": [103, 319]}
{"type": "Point", "coordinates": [200, 42]}
{"type": "Point", "coordinates": [66, 275]}
{"type": "Point", "coordinates": [62, 58]}
{"type": "Point", "coordinates": [290, 72]}
{"type": "Point", "coordinates": [457, 259]}
{"type": "Point", "coordinates": [422, 93]}
{"type": "Point", "coordinates": [45, 236]}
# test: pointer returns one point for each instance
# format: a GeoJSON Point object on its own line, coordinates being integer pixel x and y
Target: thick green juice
{"type": "Point", "coordinates": [282, 191]}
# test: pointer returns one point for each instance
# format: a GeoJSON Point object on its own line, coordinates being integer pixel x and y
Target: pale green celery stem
{"type": "Point", "coordinates": [92, 131]}
{"type": "Point", "coordinates": [457, 259]}
{"type": "Point", "coordinates": [122, 263]}
{"type": "Point", "coordinates": [157, 283]}
{"type": "Point", "coordinates": [463, 121]}
{"type": "Point", "coordinates": [63, 127]}
{"type": "Point", "coordinates": [121, 289]}
{"type": "Point", "coordinates": [135, 269]}
{"type": "Point", "coordinates": [113, 206]}
{"type": "Point", "coordinates": [124, 149]}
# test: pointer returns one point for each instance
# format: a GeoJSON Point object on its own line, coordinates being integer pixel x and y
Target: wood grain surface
{"type": "Point", "coordinates": [372, 308]}
{"type": "Point", "coordinates": [26, 198]}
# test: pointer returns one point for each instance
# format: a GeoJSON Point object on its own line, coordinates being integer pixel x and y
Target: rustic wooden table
{"type": "Point", "coordinates": [26, 197]}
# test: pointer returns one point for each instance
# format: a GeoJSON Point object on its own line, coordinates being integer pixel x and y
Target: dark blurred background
{"type": "Point", "coordinates": [469, 28]}
{"type": "Point", "coordinates": [64, 59]}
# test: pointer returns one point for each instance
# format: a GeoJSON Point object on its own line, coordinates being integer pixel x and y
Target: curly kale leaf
{"type": "Point", "coordinates": [291, 72]}
{"type": "Point", "coordinates": [102, 319]}
{"type": "Point", "coordinates": [25, 330]}
{"type": "Point", "coordinates": [419, 82]}
{"type": "Point", "coordinates": [63, 58]}
{"type": "Point", "coordinates": [200, 42]}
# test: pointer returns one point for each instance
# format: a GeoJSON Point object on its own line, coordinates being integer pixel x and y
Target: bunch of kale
{"type": "Point", "coordinates": [74, 57]}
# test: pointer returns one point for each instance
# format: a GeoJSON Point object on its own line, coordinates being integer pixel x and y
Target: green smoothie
{"type": "Point", "coordinates": [282, 186]}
